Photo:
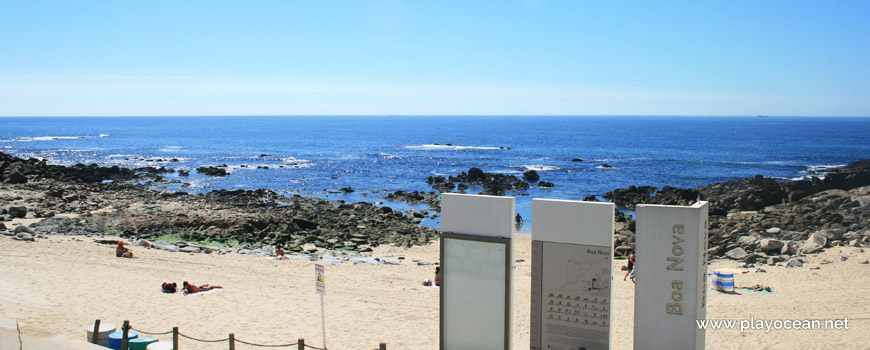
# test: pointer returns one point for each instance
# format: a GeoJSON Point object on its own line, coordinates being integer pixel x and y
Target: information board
{"type": "Point", "coordinates": [572, 262]}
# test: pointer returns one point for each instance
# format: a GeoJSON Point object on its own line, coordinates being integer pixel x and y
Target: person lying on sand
{"type": "Point", "coordinates": [169, 287]}
{"type": "Point", "coordinates": [757, 288]}
{"type": "Point", "coordinates": [123, 252]}
{"type": "Point", "coordinates": [190, 288]}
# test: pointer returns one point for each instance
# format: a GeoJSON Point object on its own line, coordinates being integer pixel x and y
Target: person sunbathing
{"type": "Point", "coordinates": [190, 288]}
{"type": "Point", "coordinates": [123, 252]}
{"type": "Point", "coordinates": [758, 288]}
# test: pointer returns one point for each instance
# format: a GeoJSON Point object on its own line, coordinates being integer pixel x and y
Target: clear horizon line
{"type": "Point", "coordinates": [433, 115]}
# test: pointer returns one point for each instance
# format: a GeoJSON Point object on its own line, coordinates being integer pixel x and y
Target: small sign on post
{"type": "Point", "coordinates": [319, 280]}
{"type": "Point", "coordinates": [320, 284]}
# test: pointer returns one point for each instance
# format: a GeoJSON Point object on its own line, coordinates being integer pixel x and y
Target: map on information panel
{"type": "Point", "coordinates": [574, 296]}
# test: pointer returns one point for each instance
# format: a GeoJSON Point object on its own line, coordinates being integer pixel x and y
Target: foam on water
{"type": "Point", "coordinates": [48, 138]}
{"type": "Point", "coordinates": [538, 167]}
{"type": "Point", "coordinates": [450, 147]}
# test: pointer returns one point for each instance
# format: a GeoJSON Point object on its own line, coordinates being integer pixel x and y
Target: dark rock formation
{"type": "Point", "coordinates": [531, 176]}
{"type": "Point", "coordinates": [212, 171]}
{"type": "Point", "coordinates": [493, 184]}
{"type": "Point", "coordinates": [769, 219]}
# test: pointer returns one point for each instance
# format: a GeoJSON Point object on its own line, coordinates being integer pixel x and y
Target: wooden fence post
{"type": "Point", "coordinates": [232, 341]}
{"type": "Point", "coordinates": [126, 332]}
{"type": "Point", "coordinates": [174, 338]}
{"type": "Point", "coordinates": [96, 334]}
{"type": "Point", "coordinates": [300, 344]}
{"type": "Point", "coordinates": [383, 346]}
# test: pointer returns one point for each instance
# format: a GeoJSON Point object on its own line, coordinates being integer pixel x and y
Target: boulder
{"type": "Point", "coordinates": [24, 236]}
{"type": "Point", "coordinates": [545, 184]}
{"type": "Point", "coordinates": [24, 229]}
{"type": "Point", "coordinates": [368, 260]}
{"type": "Point", "coordinates": [190, 249]}
{"type": "Point", "coordinates": [746, 240]}
{"type": "Point", "coordinates": [736, 254]}
{"type": "Point", "coordinates": [768, 245]}
{"type": "Point", "coordinates": [810, 248]}
{"type": "Point", "coordinates": [794, 262]}
{"type": "Point", "coordinates": [531, 176]}
{"type": "Point", "coordinates": [832, 234]}
{"type": "Point", "coordinates": [773, 231]}
{"type": "Point", "coordinates": [475, 174]}
{"type": "Point", "coordinates": [391, 261]}
{"type": "Point", "coordinates": [789, 248]}
{"type": "Point", "coordinates": [18, 211]}
{"type": "Point", "coordinates": [817, 238]}
{"type": "Point", "coordinates": [212, 171]}
{"type": "Point", "coordinates": [15, 178]}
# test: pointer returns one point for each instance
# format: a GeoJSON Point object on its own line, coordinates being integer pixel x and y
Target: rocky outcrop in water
{"type": "Point", "coordinates": [493, 184]}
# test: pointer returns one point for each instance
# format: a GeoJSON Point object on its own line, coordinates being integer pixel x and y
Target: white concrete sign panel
{"type": "Point", "coordinates": [476, 258]}
{"type": "Point", "coordinates": [572, 262]}
{"type": "Point", "coordinates": [671, 275]}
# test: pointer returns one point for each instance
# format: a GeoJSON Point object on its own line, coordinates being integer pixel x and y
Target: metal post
{"type": "Point", "coordinates": [383, 346]}
{"type": "Point", "coordinates": [232, 341]}
{"type": "Point", "coordinates": [174, 338]}
{"type": "Point", "coordinates": [126, 329]}
{"type": "Point", "coordinates": [96, 334]}
{"type": "Point", "coordinates": [323, 321]}
{"type": "Point", "coordinates": [300, 345]}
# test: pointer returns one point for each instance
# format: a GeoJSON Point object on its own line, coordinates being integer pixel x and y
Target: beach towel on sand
{"type": "Point", "coordinates": [205, 292]}
{"type": "Point", "coordinates": [723, 282]}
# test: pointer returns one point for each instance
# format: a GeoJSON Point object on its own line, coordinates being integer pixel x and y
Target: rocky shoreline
{"type": "Point", "coordinates": [757, 220]}
{"type": "Point", "coordinates": [115, 201]}
{"type": "Point", "coordinates": [761, 220]}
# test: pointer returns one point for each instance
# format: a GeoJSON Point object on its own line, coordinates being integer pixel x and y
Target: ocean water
{"type": "Point", "coordinates": [316, 155]}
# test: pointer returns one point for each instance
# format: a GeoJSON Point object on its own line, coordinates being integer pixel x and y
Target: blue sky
{"type": "Point", "coordinates": [434, 57]}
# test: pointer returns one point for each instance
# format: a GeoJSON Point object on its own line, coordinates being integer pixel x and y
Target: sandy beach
{"type": "Point", "coordinates": [57, 287]}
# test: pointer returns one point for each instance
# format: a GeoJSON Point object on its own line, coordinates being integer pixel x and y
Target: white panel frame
{"type": "Point", "coordinates": [474, 218]}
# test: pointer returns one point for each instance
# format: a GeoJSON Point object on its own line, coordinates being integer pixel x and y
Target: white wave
{"type": "Point", "coordinates": [122, 156]}
{"type": "Point", "coordinates": [538, 167]}
{"type": "Point", "coordinates": [821, 168]}
{"type": "Point", "coordinates": [441, 147]}
{"type": "Point", "coordinates": [170, 148]}
{"type": "Point", "coordinates": [104, 135]}
{"type": "Point", "coordinates": [293, 160]}
{"type": "Point", "coordinates": [47, 138]}
{"type": "Point", "coordinates": [603, 167]}
{"type": "Point", "coordinates": [389, 156]}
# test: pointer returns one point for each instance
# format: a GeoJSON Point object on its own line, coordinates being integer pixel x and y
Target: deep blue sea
{"type": "Point", "coordinates": [317, 155]}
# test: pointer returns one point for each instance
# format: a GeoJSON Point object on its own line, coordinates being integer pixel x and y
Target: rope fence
{"type": "Point", "coordinates": [231, 339]}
